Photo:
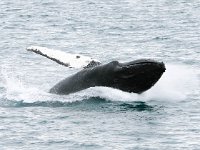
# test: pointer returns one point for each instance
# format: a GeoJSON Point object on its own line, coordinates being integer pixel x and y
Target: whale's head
{"type": "Point", "coordinates": [136, 76]}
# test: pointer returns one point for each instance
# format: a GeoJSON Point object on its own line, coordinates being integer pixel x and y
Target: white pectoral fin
{"type": "Point", "coordinates": [66, 59]}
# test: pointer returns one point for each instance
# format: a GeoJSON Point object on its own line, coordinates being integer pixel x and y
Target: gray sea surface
{"type": "Point", "coordinates": [165, 117]}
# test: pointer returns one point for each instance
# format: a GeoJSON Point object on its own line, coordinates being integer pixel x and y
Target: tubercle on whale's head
{"type": "Point", "coordinates": [92, 63]}
{"type": "Point", "coordinates": [137, 76]}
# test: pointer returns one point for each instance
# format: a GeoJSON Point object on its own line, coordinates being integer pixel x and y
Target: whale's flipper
{"type": "Point", "coordinates": [66, 59]}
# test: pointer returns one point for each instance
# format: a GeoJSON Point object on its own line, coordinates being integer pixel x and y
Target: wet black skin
{"type": "Point", "coordinates": [135, 76]}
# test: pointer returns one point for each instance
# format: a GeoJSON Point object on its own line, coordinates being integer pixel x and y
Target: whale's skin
{"type": "Point", "coordinates": [135, 76]}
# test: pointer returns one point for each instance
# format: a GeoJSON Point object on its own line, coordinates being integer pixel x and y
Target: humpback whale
{"type": "Point", "coordinates": [134, 76]}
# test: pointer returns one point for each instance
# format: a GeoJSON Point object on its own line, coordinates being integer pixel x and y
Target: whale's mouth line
{"type": "Point", "coordinates": [143, 73]}
{"type": "Point", "coordinates": [131, 70]}
{"type": "Point", "coordinates": [142, 64]}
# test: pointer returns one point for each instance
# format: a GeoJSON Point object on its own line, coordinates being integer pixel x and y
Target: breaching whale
{"type": "Point", "coordinates": [135, 76]}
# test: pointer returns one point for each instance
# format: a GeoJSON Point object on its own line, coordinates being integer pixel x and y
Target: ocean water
{"type": "Point", "coordinates": [165, 117]}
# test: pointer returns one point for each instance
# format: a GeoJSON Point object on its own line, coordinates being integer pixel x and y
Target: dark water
{"type": "Point", "coordinates": [165, 117]}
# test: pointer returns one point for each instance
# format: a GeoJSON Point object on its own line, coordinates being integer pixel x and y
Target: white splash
{"type": "Point", "coordinates": [18, 90]}
{"type": "Point", "coordinates": [66, 59]}
{"type": "Point", "coordinates": [176, 84]}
